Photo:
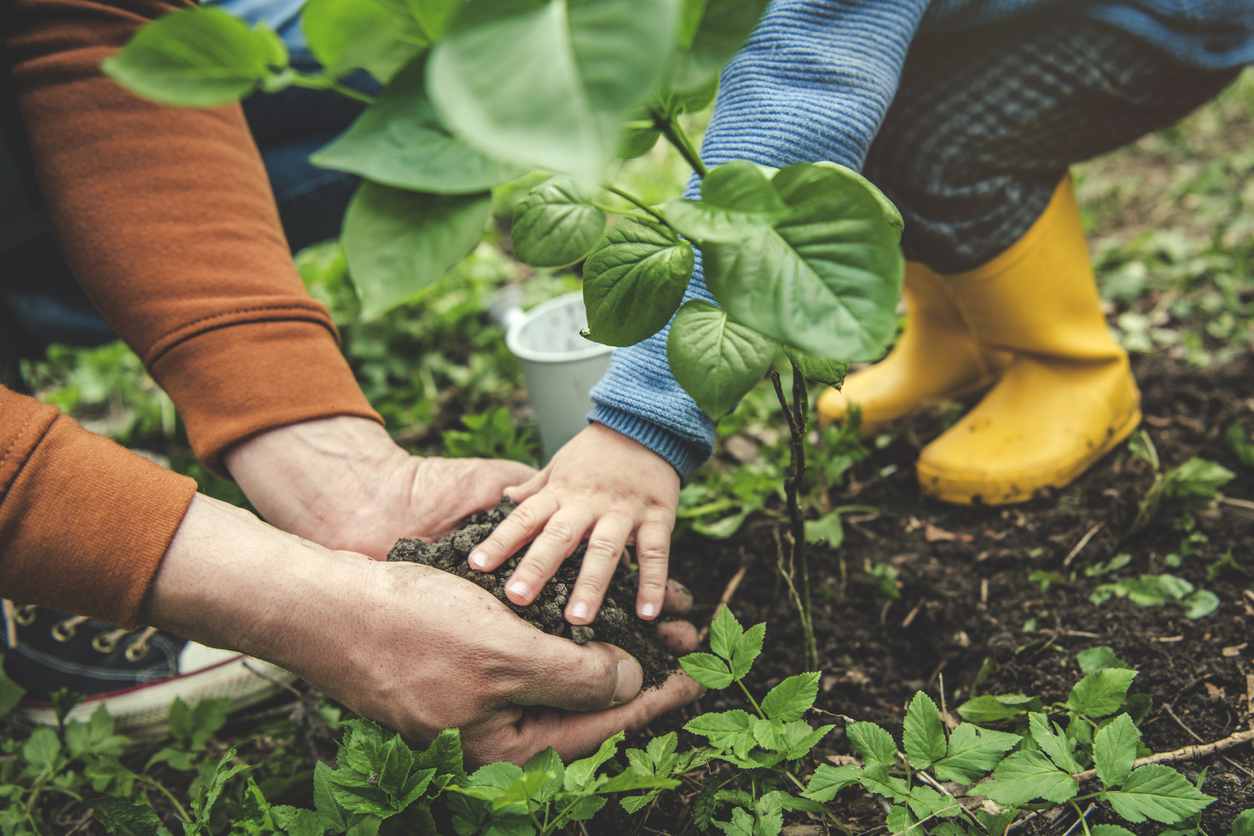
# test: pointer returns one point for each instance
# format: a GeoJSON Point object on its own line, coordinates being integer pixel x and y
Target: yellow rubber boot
{"type": "Point", "coordinates": [936, 360]}
{"type": "Point", "coordinates": [1067, 398]}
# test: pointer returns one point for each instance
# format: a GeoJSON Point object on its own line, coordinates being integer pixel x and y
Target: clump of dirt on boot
{"type": "Point", "coordinates": [615, 623]}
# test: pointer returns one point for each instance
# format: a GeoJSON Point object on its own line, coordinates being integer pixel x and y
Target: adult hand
{"type": "Point", "coordinates": [414, 648]}
{"type": "Point", "coordinates": [601, 485]}
{"type": "Point", "coordinates": [345, 484]}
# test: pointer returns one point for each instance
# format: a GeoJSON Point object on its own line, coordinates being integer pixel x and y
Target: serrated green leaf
{"type": "Point", "coordinates": [725, 730]}
{"type": "Point", "coordinates": [746, 650]}
{"type": "Point", "coordinates": [660, 750]}
{"type": "Point", "coordinates": [546, 761]}
{"type": "Point", "coordinates": [200, 57]}
{"type": "Point", "coordinates": [989, 709]}
{"type": "Point", "coordinates": [121, 818]}
{"type": "Point", "coordinates": [768, 733]}
{"type": "Point", "coordinates": [923, 735]}
{"type": "Point", "coordinates": [1096, 658]}
{"type": "Point", "coordinates": [522, 789]}
{"type": "Point", "coordinates": [1114, 750]}
{"type": "Point", "coordinates": [555, 225]}
{"type": "Point", "coordinates": [345, 35]}
{"type": "Point", "coordinates": [42, 749]}
{"type": "Point", "coordinates": [706, 669]}
{"type": "Point", "coordinates": [399, 141]}
{"type": "Point", "coordinates": [715, 359]}
{"type": "Point", "coordinates": [828, 780]}
{"type": "Point", "coordinates": [973, 753]}
{"type": "Point", "coordinates": [872, 743]}
{"type": "Point", "coordinates": [827, 528]}
{"type": "Point", "coordinates": [330, 813]}
{"type": "Point", "coordinates": [925, 802]}
{"type": "Point", "coordinates": [399, 242]}
{"type": "Point", "coordinates": [825, 280]}
{"type": "Point", "coordinates": [1243, 825]}
{"type": "Point", "coordinates": [10, 694]}
{"type": "Point", "coordinates": [579, 773]}
{"type": "Point", "coordinates": [1197, 480]}
{"type": "Point", "coordinates": [799, 738]}
{"type": "Point", "coordinates": [629, 780]}
{"type": "Point", "coordinates": [875, 778]}
{"type": "Point", "coordinates": [1109, 830]}
{"type": "Point", "coordinates": [1156, 792]}
{"type": "Point", "coordinates": [996, 825]}
{"type": "Point", "coordinates": [1024, 776]}
{"type": "Point", "coordinates": [1052, 742]}
{"type": "Point", "coordinates": [297, 822]}
{"type": "Point", "coordinates": [725, 632]}
{"type": "Point", "coordinates": [634, 281]}
{"type": "Point", "coordinates": [901, 820]}
{"type": "Point", "coordinates": [741, 824]}
{"type": "Point", "coordinates": [792, 698]}
{"type": "Point", "coordinates": [1101, 693]}
{"type": "Point", "coordinates": [549, 83]}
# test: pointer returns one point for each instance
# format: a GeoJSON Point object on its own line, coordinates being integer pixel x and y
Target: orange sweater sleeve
{"type": "Point", "coordinates": [166, 217]}
{"type": "Point", "coordinates": [84, 523]}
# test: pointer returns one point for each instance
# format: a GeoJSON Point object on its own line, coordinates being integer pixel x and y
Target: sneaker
{"type": "Point", "coordinates": [136, 675]}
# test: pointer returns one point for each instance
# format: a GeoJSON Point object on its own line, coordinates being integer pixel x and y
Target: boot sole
{"type": "Point", "coordinates": [968, 492]}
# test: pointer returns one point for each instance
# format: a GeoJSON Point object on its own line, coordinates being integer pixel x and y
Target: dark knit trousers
{"type": "Point", "coordinates": [986, 123]}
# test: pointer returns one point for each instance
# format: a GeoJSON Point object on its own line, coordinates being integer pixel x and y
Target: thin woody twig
{"type": "Point", "coordinates": [1084, 541]}
{"type": "Point", "coordinates": [1188, 753]}
{"type": "Point", "coordinates": [1195, 736]}
{"type": "Point", "coordinates": [722, 602]}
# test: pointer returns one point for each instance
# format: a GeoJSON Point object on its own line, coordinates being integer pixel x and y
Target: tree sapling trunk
{"type": "Point", "coordinates": [795, 414]}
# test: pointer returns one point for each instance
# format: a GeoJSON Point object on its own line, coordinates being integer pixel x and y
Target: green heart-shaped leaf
{"type": "Point", "coordinates": [400, 142]}
{"type": "Point", "coordinates": [549, 83]}
{"type": "Point", "coordinates": [825, 279]}
{"type": "Point", "coordinates": [716, 359]}
{"type": "Point", "coordinates": [398, 242]}
{"type": "Point", "coordinates": [554, 225]}
{"type": "Point", "coordinates": [634, 281]}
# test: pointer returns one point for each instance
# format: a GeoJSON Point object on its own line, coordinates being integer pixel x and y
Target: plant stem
{"type": "Point", "coordinates": [796, 416]}
{"type": "Point", "coordinates": [182, 811]}
{"type": "Point", "coordinates": [630, 198]}
{"type": "Point", "coordinates": [322, 82]}
{"type": "Point", "coordinates": [674, 133]}
{"type": "Point", "coordinates": [752, 701]}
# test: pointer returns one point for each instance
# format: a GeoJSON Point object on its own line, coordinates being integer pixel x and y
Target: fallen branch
{"type": "Point", "coordinates": [1188, 753]}
{"type": "Point", "coordinates": [722, 602]}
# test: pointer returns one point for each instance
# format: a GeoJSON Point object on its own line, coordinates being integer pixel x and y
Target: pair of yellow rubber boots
{"type": "Point", "coordinates": [1028, 327]}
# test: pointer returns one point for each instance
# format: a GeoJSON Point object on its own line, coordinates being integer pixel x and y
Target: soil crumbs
{"type": "Point", "coordinates": [967, 600]}
{"type": "Point", "coordinates": [614, 624]}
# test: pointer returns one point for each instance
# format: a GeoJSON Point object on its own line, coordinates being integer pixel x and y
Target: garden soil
{"type": "Point", "coordinates": [966, 602]}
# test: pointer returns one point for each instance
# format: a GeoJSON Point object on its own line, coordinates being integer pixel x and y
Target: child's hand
{"type": "Point", "coordinates": [601, 485]}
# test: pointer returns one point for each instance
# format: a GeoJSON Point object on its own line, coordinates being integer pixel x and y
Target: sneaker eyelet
{"type": "Point", "coordinates": [63, 631]}
{"type": "Point", "coordinates": [106, 642]}
{"type": "Point", "coordinates": [25, 614]}
{"type": "Point", "coordinates": [136, 651]}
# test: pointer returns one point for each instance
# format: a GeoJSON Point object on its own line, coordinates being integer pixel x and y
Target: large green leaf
{"type": "Point", "coordinates": [1024, 776]}
{"type": "Point", "coordinates": [400, 142]}
{"type": "Point", "coordinates": [824, 280]}
{"type": "Point", "coordinates": [828, 780]}
{"type": "Point", "coordinates": [1101, 693]}
{"type": "Point", "coordinates": [818, 369]}
{"type": "Point", "coordinates": [715, 359]}
{"type": "Point", "coordinates": [200, 57]}
{"type": "Point", "coordinates": [735, 198]}
{"type": "Point", "coordinates": [709, 670]}
{"type": "Point", "coordinates": [555, 225]}
{"type": "Point", "coordinates": [549, 83]}
{"type": "Point", "coordinates": [377, 36]}
{"type": "Point", "coordinates": [399, 242]}
{"type": "Point", "coordinates": [1053, 743]}
{"type": "Point", "coordinates": [706, 47]}
{"type": "Point", "coordinates": [792, 698]}
{"type": "Point", "coordinates": [973, 753]}
{"type": "Point", "coordinates": [1114, 750]}
{"type": "Point", "coordinates": [923, 736]}
{"type": "Point", "coordinates": [872, 743]}
{"type": "Point", "coordinates": [892, 215]}
{"type": "Point", "coordinates": [1157, 792]}
{"type": "Point", "coordinates": [634, 281]}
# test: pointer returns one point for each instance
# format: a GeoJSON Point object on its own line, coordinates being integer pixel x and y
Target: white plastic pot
{"type": "Point", "coordinates": [560, 366]}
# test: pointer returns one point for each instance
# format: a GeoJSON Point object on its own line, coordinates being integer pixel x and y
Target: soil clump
{"type": "Point", "coordinates": [615, 623]}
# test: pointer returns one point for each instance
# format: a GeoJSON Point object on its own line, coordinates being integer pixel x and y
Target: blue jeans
{"type": "Point", "coordinates": [41, 302]}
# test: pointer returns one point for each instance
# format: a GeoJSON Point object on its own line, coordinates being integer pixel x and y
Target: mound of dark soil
{"type": "Point", "coordinates": [615, 624]}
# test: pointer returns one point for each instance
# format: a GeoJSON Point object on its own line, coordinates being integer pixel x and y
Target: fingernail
{"type": "Point", "coordinates": [579, 610]}
{"type": "Point", "coordinates": [630, 678]}
{"type": "Point", "coordinates": [518, 589]}
{"type": "Point", "coordinates": [480, 560]}
{"type": "Point", "coordinates": [648, 609]}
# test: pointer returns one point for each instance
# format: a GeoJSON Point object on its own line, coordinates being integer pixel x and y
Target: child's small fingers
{"type": "Point", "coordinates": [604, 547]}
{"type": "Point", "coordinates": [561, 535]}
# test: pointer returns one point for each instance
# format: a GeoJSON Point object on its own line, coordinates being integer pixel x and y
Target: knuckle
{"type": "Point", "coordinates": [561, 531]}
{"type": "Point", "coordinates": [652, 554]}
